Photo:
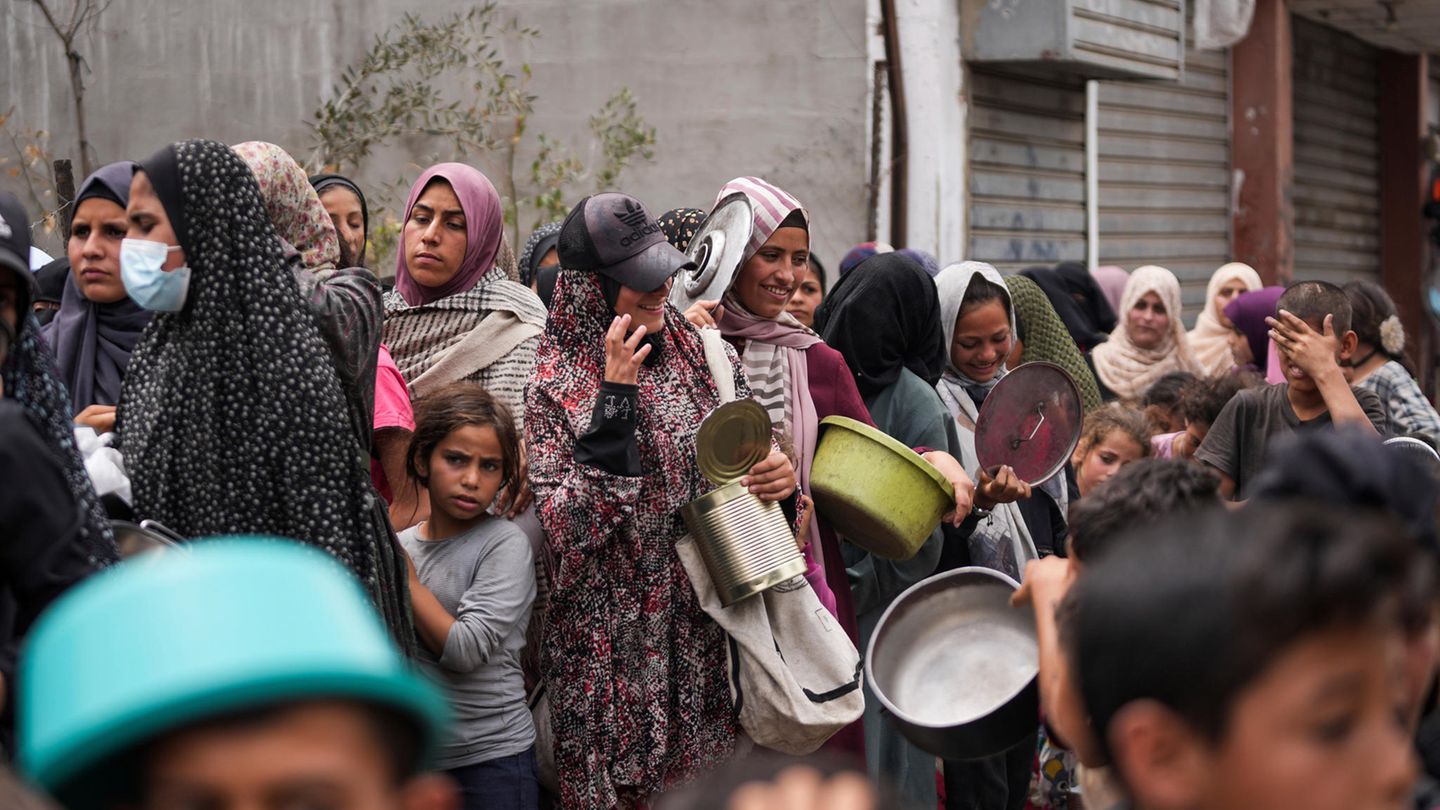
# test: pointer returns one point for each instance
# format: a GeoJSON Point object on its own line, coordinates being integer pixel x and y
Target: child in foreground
{"type": "Point", "coordinates": [472, 583]}
{"type": "Point", "coordinates": [1313, 336]}
{"type": "Point", "coordinates": [1285, 691]}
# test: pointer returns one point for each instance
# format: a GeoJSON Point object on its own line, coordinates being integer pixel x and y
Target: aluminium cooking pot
{"type": "Point", "coordinates": [955, 667]}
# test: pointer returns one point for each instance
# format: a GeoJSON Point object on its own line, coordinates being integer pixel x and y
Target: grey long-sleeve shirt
{"type": "Point", "coordinates": [485, 578]}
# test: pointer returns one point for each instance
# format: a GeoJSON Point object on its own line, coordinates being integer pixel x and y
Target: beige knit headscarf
{"type": "Point", "coordinates": [1129, 370]}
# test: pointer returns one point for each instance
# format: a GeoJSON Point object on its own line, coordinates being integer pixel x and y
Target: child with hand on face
{"type": "Point", "coordinates": [472, 583]}
{"type": "Point", "coordinates": [1312, 334]}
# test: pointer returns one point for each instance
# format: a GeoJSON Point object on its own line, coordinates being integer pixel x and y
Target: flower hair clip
{"type": "Point", "coordinates": [1392, 335]}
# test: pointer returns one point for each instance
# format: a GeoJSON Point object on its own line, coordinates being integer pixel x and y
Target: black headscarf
{"type": "Point", "coordinates": [321, 182]}
{"type": "Point", "coordinates": [1077, 299]}
{"type": "Point", "coordinates": [31, 380]}
{"type": "Point", "coordinates": [232, 419]}
{"type": "Point", "coordinates": [93, 341]}
{"type": "Point", "coordinates": [884, 316]}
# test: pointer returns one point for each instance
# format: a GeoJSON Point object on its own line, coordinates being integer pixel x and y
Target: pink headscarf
{"type": "Point", "coordinates": [484, 232]}
{"type": "Point", "coordinates": [771, 205]}
{"type": "Point", "coordinates": [1112, 281]}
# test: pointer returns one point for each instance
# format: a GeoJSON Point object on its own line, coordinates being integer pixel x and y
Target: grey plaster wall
{"type": "Point", "coordinates": [733, 87]}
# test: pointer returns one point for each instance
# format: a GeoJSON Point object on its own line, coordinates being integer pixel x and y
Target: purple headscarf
{"type": "Point", "coordinates": [484, 232]}
{"type": "Point", "coordinates": [92, 341]}
{"type": "Point", "coordinates": [1248, 312]}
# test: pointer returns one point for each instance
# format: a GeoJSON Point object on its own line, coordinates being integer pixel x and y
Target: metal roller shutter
{"type": "Point", "coordinates": [1027, 170]}
{"type": "Point", "coordinates": [1337, 171]}
{"type": "Point", "coordinates": [1164, 173]}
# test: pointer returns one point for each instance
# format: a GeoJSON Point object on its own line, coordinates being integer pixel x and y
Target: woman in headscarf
{"type": "Point", "coordinates": [454, 315]}
{"type": "Point", "coordinates": [978, 319]}
{"type": "Point", "coordinates": [1077, 299]}
{"type": "Point", "coordinates": [55, 533]}
{"type": "Point", "coordinates": [793, 374]}
{"type": "Point", "coordinates": [1150, 340]}
{"type": "Point", "coordinates": [345, 203]}
{"type": "Point", "coordinates": [540, 261]}
{"type": "Point", "coordinates": [635, 669]}
{"type": "Point", "coordinates": [1249, 334]}
{"type": "Point", "coordinates": [98, 325]}
{"type": "Point", "coordinates": [1040, 336]}
{"type": "Point", "coordinates": [1210, 339]}
{"type": "Point", "coordinates": [884, 319]}
{"type": "Point", "coordinates": [1015, 524]}
{"type": "Point", "coordinates": [232, 417]}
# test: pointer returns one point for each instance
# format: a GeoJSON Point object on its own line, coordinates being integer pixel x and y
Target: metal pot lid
{"type": "Point", "coordinates": [732, 439]}
{"type": "Point", "coordinates": [1031, 421]}
{"type": "Point", "coordinates": [716, 249]}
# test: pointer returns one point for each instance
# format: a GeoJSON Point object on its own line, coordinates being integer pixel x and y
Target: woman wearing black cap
{"type": "Point", "coordinates": [636, 670]}
{"type": "Point", "coordinates": [98, 325]}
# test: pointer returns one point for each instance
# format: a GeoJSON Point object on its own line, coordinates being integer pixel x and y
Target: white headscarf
{"type": "Point", "coordinates": [954, 389]}
{"type": "Point", "coordinates": [1210, 340]}
{"type": "Point", "coordinates": [1129, 370]}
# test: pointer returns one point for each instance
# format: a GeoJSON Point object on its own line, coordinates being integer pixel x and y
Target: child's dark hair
{"type": "Point", "coordinates": [454, 406]}
{"type": "Point", "coordinates": [1214, 600]}
{"type": "Point", "coordinates": [1311, 301]}
{"type": "Point", "coordinates": [983, 291]}
{"type": "Point", "coordinates": [1203, 399]}
{"type": "Point", "coordinates": [1167, 391]}
{"type": "Point", "coordinates": [1371, 306]}
{"type": "Point", "coordinates": [1107, 419]}
{"type": "Point", "coordinates": [1147, 490]}
{"type": "Point", "coordinates": [819, 271]}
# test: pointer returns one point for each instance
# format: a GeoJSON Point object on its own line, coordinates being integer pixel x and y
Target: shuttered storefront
{"type": "Point", "coordinates": [1164, 173]}
{"type": "Point", "coordinates": [1337, 171]}
{"type": "Point", "coordinates": [1027, 170]}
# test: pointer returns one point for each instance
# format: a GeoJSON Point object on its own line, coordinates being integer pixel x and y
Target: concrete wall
{"type": "Point", "coordinates": [740, 87]}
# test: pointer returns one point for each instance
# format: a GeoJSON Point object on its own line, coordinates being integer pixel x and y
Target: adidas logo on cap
{"type": "Point", "coordinates": [633, 215]}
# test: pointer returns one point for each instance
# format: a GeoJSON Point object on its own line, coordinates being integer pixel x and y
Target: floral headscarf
{"type": "Point", "coordinates": [293, 205]}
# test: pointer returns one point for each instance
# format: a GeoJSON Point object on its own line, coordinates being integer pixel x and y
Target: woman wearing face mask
{"type": "Point", "coordinates": [635, 669]}
{"type": "Point", "coordinates": [1210, 339]}
{"type": "Point", "coordinates": [98, 325]}
{"type": "Point", "coordinates": [232, 418]}
{"type": "Point", "coordinates": [345, 204]}
{"type": "Point", "coordinates": [1150, 340]}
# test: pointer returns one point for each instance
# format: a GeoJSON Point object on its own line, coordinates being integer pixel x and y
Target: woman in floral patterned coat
{"type": "Point", "coordinates": [635, 669]}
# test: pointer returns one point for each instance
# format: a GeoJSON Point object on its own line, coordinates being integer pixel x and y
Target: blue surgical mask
{"type": "Point", "coordinates": [145, 282]}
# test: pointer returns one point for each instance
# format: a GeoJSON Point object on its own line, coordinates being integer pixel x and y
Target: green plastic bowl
{"type": "Point", "coordinates": [874, 491]}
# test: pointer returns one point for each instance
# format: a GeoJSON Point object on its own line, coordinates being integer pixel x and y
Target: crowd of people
{"type": "Point", "coordinates": [1231, 577]}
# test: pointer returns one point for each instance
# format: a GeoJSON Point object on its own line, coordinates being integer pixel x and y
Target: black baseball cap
{"type": "Point", "coordinates": [612, 234]}
{"type": "Point", "coordinates": [15, 247]}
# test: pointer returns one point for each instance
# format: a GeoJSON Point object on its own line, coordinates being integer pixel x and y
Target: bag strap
{"type": "Point", "coordinates": [839, 691]}
{"type": "Point", "coordinates": [719, 363]}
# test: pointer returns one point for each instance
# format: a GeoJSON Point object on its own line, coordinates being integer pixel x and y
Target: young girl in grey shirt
{"type": "Point", "coordinates": [472, 583]}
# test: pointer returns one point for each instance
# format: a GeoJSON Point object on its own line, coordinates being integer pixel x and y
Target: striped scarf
{"type": "Point", "coordinates": [421, 336]}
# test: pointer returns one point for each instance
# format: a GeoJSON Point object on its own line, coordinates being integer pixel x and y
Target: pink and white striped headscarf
{"type": "Point", "coordinates": [772, 205]}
